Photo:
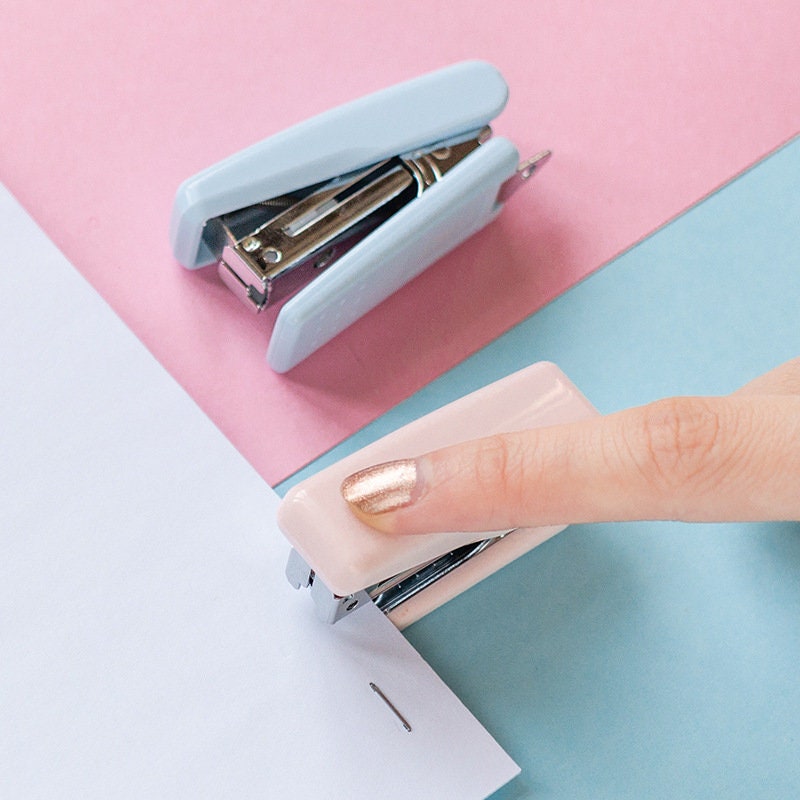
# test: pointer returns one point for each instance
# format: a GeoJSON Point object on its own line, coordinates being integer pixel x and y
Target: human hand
{"type": "Point", "coordinates": [684, 458]}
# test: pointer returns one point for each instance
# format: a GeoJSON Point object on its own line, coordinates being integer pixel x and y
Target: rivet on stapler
{"type": "Point", "coordinates": [346, 564]}
{"type": "Point", "coordinates": [332, 216]}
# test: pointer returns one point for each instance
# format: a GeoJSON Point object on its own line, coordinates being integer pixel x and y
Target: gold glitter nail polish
{"type": "Point", "coordinates": [382, 488]}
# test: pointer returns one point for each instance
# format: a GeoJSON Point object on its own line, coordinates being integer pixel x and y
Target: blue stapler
{"type": "Point", "coordinates": [340, 211]}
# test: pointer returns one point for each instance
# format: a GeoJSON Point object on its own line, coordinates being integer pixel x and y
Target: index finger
{"type": "Point", "coordinates": [730, 458]}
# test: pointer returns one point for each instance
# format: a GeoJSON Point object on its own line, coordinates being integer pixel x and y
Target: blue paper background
{"type": "Point", "coordinates": [644, 659]}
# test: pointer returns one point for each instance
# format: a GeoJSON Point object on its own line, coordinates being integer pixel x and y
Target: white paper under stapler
{"type": "Point", "coordinates": [347, 564]}
{"type": "Point", "coordinates": [340, 211]}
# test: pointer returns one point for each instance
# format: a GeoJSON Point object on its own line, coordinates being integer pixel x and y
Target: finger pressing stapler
{"type": "Point", "coordinates": [361, 199]}
{"type": "Point", "coordinates": [346, 564]}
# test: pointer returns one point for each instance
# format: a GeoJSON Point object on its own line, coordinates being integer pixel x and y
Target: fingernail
{"type": "Point", "coordinates": [382, 488]}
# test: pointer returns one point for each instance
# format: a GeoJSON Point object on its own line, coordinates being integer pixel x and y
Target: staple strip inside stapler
{"type": "Point", "coordinates": [414, 162]}
{"type": "Point", "coordinates": [346, 564]}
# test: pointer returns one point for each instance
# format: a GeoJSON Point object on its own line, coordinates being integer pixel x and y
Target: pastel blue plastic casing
{"type": "Point", "coordinates": [418, 113]}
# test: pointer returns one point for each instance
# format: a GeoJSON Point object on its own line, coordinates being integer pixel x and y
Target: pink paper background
{"type": "Point", "coordinates": [106, 106]}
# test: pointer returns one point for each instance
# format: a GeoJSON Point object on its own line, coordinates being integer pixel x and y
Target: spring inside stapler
{"type": "Point", "coordinates": [275, 247]}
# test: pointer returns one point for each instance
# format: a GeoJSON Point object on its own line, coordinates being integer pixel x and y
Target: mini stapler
{"type": "Point", "coordinates": [340, 211]}
{"type": "Point", "coordinates": [346, 564]}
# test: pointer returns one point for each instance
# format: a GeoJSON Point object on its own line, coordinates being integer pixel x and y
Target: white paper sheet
{"type": "Point", "coordinates": [150, 646]}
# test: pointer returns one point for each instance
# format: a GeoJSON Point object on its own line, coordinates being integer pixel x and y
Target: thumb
{"type": "Point", "coordinates": [709, 459]}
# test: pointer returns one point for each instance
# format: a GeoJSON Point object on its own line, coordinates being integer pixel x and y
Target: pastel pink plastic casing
{"type": "Point", "coordinates": [349, 556]}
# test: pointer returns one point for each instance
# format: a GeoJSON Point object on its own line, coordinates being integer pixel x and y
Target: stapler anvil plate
{"type": "Point", "coordinates": [347, 564]}
{"type": "Point", "coordinates": [340, 211]}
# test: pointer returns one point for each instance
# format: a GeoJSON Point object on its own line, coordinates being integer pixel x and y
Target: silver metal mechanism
{"type": "Point", "coordinates": [386, 595]}
{"type": "Point", "coordinates": [273, 248]}
{"type": "Point", "coordinates": [389, 594]}
{"type": "Point", "coordinates": [330, 608]}
{"type": "Point", "coordinates": [524, 171]}
{"type": "Point", "coordinates": [377, 689]}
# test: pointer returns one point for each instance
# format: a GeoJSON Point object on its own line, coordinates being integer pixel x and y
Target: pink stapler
{"type": "Point", "coordinates": [347, 564]}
